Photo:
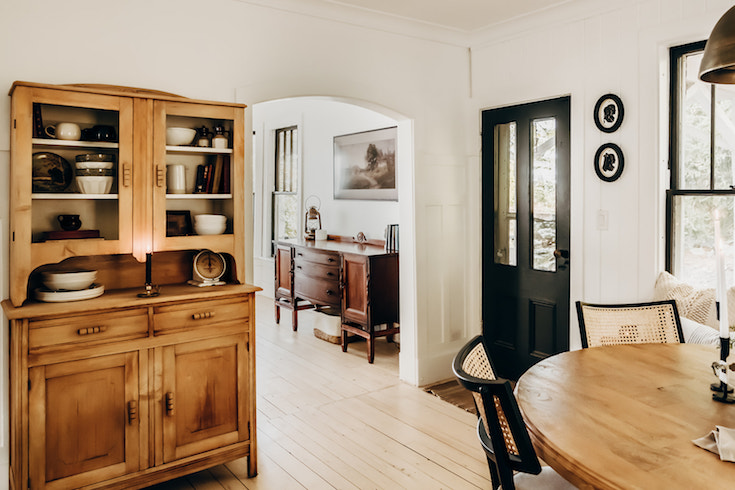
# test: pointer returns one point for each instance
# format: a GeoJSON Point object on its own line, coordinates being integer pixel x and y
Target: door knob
{"type": "Point", "coordinates": [562, 256]}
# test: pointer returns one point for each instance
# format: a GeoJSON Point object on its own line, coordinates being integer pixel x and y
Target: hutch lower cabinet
{"type": "Point", "coordinates": [123, 392]}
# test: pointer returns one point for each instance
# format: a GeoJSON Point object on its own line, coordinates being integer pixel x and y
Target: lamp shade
{"type": "Point", "coordinates": [718, 61]}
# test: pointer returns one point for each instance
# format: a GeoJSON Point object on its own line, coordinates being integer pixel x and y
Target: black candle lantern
{"type": "Point", "coordinates": [312, 220]}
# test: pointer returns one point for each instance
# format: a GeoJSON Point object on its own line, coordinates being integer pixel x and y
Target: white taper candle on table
{"type": "Point", "coordinates": [721, 280]}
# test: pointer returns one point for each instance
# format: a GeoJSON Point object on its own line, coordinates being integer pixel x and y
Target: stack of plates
{"type": "Point", "coordinates": [68, 286]}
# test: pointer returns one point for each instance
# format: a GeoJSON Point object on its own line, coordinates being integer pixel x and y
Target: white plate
{"type": "Point", "coordinates": [50, 296]}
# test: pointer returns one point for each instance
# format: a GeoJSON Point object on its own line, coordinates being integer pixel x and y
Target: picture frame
{"type": "Point", "coordinates": [178, 223]}
{"type": "Point", "coordinates": [364, 165]}
{"type": "Point", "coordinates": [609, 162]}
{"type": "Point", "coordinates": [609, 112]}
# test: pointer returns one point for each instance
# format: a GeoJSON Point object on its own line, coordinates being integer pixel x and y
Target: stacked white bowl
{"type": "Point", "coordinates": [94, 173]}
{"type": "Point", "coordinates": [68, 281]}
{"type": "Point", "coordinates": [210, 224]}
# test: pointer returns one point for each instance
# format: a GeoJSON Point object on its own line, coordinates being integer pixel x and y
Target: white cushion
{"type": "Point", "coordinates": [694, 303]}
{"type": "Point", "coordinates": [696, 333]}
{"type": "Point", "coordinates": [548, 479]}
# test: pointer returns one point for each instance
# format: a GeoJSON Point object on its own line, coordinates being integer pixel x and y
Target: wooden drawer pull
{"type": "Point", "coordinates": [331, 259]}
{"type": "Point", "coordinates": [132, 411]}
{"type": "Point", "coordinates": [169, 403]}
{"type": "Point", "coordinates": [91, 330]}
{"type": "Point", "coordinates": [330, 292]}
{"type": "Point", "coordinates": [203, 315]}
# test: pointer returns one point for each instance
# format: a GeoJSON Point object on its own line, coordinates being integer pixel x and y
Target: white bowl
{"type": "Point", "coordinates": [68, 281]}
{"type": "Point", "coordinates": [94, 184]}
{"type": "Point", "coordinates": [210, 218]}
{"type": "Point", "coordinates": [180, 136]}
{"type": "Point", "coordinates": [86, 165]}
{"type": "Point", "coordinates": [210, 228]}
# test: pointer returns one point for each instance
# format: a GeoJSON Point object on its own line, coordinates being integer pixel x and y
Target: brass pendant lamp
{"type": "Point", "coordinates": [718, 61]}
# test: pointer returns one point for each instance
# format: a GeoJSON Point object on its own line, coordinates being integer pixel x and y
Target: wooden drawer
{"type": "Point", "coordinates": [316, 270]}
{"type": "Point", "coordinates": [199, 314]}
{"type": "Point", "coordinates": [318, 257]}
{"type": "Point", "coordinates": [319, 291]}
{"type": "Point", "coordinates": [122, 325]}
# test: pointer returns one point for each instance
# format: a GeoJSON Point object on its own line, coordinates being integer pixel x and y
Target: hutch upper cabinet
{"type": "Point", "coordinates": [138, 215]}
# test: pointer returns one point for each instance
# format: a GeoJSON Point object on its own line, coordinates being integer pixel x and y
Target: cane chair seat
{"type": "Point", "coordinates": [634, 323]}
{"type": "Point", "coordinates": [500, 426]}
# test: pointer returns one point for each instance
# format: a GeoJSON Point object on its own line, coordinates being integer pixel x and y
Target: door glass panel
{"type": "Point", "coordinates": [543, 193]}
{"type": "Point", "coordinates": [505, 193]}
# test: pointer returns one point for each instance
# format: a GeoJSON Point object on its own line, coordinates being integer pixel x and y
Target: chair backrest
{"type": "Point", "coordinates": [638, 323]}
{"type": "Point", "coordinates": [501, 428]}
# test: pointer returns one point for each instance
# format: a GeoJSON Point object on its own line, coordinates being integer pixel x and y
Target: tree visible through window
{"type": "Point", "coordinates": [286, 209]}
{"type": "Point", "coordinates": [702, 174]}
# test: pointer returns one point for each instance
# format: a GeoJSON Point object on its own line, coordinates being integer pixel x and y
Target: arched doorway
{"type": "Point", "coordinates": [318, 120]}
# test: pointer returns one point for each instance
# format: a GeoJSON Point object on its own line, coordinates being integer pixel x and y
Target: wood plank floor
{"type": "Point", "coordinates": [328, 419]}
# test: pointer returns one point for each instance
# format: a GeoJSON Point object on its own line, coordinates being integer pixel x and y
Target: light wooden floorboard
{"type": "Point", "coordinates": [328, 419]}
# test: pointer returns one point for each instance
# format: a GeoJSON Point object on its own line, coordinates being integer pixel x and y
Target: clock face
{"type": "Point", "coordinates": [209, 265]}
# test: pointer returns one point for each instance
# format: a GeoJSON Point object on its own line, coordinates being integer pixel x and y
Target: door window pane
{"type": "Point", "coordinates": [505, 194]}
{"type": "Point", "coordinates": [543, 193]}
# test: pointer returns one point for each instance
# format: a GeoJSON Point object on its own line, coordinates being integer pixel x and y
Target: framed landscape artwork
{"type": "Point", "coordinates": [365, 165]}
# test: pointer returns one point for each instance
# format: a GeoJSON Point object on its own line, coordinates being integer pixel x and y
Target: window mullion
{"type": "Point", "coordinates": [713, 103]}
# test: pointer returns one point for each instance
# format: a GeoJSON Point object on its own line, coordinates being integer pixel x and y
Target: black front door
{"type": "Point", "coordinates": [525, 219]}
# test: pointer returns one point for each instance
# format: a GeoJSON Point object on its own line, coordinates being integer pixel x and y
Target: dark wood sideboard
{"type": "Point", "coordinates": [359, 280]}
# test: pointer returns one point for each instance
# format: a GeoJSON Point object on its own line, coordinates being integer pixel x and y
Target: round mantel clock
{"type": "Point", "coordinates": [208, 269]}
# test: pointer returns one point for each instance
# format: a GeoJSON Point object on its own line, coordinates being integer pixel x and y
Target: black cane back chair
{"type": "Point", "coordinates": [636, 323]}
{"type": "Point", "coordinates": [500, 427]}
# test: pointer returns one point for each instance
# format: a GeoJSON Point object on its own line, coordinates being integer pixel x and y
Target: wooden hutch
{"type": "Point", "coordinates": [122, 391]}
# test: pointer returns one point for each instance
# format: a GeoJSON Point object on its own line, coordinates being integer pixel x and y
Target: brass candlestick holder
{"type": "Point", "coordinates": [722, 393]}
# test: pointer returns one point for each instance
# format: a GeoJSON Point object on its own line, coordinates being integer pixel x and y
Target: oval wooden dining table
{"type": "Point", "coordinates": [624, 416]}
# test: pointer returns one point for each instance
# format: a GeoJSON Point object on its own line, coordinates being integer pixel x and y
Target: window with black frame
{"type": "Point", "coordinates": [702, 144]}
{"type": "Point", "coordinates": [286, 209]}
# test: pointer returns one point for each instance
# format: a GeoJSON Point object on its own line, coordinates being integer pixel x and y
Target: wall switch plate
{"type": "Point", "coordinates": [603, 218]}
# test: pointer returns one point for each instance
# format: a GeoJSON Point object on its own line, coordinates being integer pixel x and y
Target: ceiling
{"type": "Point", "coordinates": [459, 15]}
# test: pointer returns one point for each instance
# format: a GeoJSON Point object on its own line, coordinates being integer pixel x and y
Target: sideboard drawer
{"type": "Point", "coordinates": [318, 257]}
{"type": "Point", "coordinates": [46, 334]}
{"type": "Point", "coordinates": [319, 291]}
{"type": "Point", "coordinates": [199, 314]}
{"type": "Point", "coordinates": [316, 270]}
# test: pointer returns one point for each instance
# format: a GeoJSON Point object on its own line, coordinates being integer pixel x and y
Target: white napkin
{"type": "Point", "coordinates": [720, 441]}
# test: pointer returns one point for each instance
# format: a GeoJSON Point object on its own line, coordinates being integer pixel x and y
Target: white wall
{"type": "Point", "coordinates": [619, 47]}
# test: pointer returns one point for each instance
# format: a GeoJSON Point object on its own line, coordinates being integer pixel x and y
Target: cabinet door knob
{"type": "Point", "coordinates": [126, 175]}
{"type": "Point", "coordinates": [169, 403]}
{"type": "Point", "coordinates": [159, 176]}
{"type": "Point", "coordinates": [132, 411]}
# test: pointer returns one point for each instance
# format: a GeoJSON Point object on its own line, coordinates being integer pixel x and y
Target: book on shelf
{"type": "Point", "coordinates": [226, 176]}
{"type": "Point", "coordinates": [216, 175]}
{"type": "Point", "coordinates": [213, 177]}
